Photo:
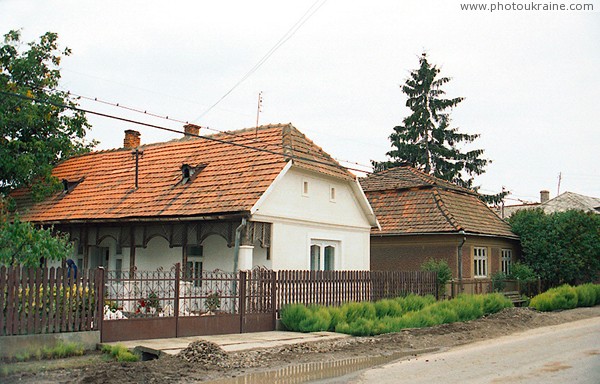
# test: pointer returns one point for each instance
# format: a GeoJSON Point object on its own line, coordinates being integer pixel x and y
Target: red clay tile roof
{"type": "Point", "coordinates": [407, 201]}
{"type": "Point", "coordinates": [232, 181]}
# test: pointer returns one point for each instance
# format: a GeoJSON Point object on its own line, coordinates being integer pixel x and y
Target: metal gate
{"type": "Point", "coordinates": [179, 302]}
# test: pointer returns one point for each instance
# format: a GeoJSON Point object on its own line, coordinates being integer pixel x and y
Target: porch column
{"type": "Point", "coordinates": [245, 257]}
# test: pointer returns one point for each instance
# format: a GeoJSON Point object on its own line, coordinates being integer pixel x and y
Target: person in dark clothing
{"type": "Point", "coordinates": [72, 267]}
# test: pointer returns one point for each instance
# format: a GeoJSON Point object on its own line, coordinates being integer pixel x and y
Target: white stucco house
{"type": "Point", "coordinates": [265, 196]}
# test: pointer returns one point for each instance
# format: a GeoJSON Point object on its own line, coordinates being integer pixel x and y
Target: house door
{"type": "Point", "coordinates": [99, 257]}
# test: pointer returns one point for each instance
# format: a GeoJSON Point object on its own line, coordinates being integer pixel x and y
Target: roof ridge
{"type": "Point", "coordinates": [444, 210]}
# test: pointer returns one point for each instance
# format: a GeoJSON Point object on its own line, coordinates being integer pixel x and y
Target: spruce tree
{"type": "Point", "coordinates": [425, 139]}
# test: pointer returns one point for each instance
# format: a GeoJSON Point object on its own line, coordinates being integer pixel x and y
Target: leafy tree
{"type": "Point", "coordinates": [37, 129]}
{"type": "Point", "coordinates": [522, 272]}
{"type": "Point", "coordinates": [22, 243]}
{"type": "Point", "coordinates": [444, 273]}
{"type": "Point", "coordinates": [425, 139]}
{"type": "Point", "coordinates": [562, 247]}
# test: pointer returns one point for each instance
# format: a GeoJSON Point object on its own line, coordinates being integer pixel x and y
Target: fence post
{"type": "Point", "coordinates": [176, 303]}
{"type": "Point", "coordinates": [99, 283]}
{"type": "Point", "coordinates": [242, 306]}
{"type": "Point", "coordinates": [437, 288]}
{"type": "Point", "coordinates": [274, 306]}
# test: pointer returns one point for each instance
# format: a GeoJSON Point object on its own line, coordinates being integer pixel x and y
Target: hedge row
{"type": "Point", "coordinates": [567, 297]}
{"type": "Point", "coordinates": [390, 315]}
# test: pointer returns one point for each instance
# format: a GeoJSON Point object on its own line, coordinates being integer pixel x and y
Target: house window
{"type": "Point", "coordinates": [304, 187]}
{"type": "Point", "coordinates": [193, 266]}
{"type": "Point", "coordinates": [315, 257]}
{"type": "Point", "coordinates": [506, 261]}
{"type": "Point", "coordinates": [119, 269]}
{"type": "Point", "coordinates": [323, 254]}
{"type": "Point", "coordinates": [332, 194]}
{"type": "Point", "coordinates": [480, 264]}
{"type": "Point", "coordinates": [329, 259]}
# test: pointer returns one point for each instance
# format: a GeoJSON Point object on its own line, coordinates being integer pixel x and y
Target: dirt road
{"type": "Point", "coordinates": [219, 364]}
{"type": "Point", "coordinates": [558, 354]}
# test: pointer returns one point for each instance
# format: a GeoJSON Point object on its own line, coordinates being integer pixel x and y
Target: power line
{"type": "Point", "coordinates": [288, 35]}
{"type": "Point", "coordinates": [233, 134]}
{"type": "Point", "coordinates": [209, 138]}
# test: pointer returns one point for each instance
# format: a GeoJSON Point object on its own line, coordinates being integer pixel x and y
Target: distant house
{"type": "Point", "coordinates": [265, 196]}
{"type": "Point", "coordinates": [563, 202]}
{"type": "Point", "coordinates": [423, 217]}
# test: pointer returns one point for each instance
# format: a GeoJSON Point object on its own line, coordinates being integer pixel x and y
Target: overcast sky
{"type": "Point", "coordinates": [531, 79]}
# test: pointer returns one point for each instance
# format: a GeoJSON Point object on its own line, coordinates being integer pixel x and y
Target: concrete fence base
{"type": "Point", "coordinates": [12, 345]}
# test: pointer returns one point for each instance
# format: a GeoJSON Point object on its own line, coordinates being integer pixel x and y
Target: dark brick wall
{"type": "Point", "coordinates": [409, 252]}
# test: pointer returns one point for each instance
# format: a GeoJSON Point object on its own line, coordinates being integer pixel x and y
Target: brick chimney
{"type": "Point", "coordinates": [191, 129]}
{"type": "Point", "coordinates": [132, 139]}
{"type": "Point", "coordinates": [544, 196]}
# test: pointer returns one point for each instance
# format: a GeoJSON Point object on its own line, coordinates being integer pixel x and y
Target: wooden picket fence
{"type": "Point", "coordinates": [338, 287]}
{"type": "Point", "coordinates": [42, 300]}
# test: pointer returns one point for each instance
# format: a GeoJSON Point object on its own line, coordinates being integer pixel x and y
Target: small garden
{"type": "Point", "coordinates": [412, 311]}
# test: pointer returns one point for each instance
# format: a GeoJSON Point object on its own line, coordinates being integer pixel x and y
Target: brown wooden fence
{"type": "Point", "coordinates": [338, 287]}
{"type": "Point", "coordinates": [131, 305]}
{"type": "Point", "coordinates": [42, 300]}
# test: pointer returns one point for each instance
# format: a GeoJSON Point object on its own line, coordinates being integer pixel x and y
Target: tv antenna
{"type": "Point", "coordinates": [258, 109]}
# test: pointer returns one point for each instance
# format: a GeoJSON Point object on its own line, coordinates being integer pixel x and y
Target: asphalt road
{"type": "Point", "coordinates": [567, 353]}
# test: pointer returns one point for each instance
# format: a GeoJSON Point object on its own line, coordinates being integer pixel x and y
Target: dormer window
{"type": "Point", "coordinates": [188, 172]}
{"type": "Point", "coordinates": [69, 185]}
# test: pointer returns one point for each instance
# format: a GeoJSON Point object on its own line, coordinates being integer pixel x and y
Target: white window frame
{"type": "Point", "coordinates": [322, 246]}
{"type": "Point", "coordinates": [506, 260]}
{"type": "Point", "coordinates": [194, 264]}
{"type": "Point", "coordinates": [480, 262]}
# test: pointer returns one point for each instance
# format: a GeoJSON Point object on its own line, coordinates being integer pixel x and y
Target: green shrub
{"type": "Point", "coordinates": [499, 281]}
{"type": "Point", "coordinates": [419, 319]}
{"type": "Point", "coordinates": [389, 307]}
{"type": "Point", "coordinates": [336, 317]}
{"type": "Point", "coordinates": [62, 350]}
{"type": "Point", "coordinates": [563, 297]}
{"type": "Point", "coordinates": [414, 302]}
{"type": "Point", "coordinates": [391, 315]}
{"type": "Point", "coordinates": [362, 327]}
{"type": "Point", "coordinates": [319, 319]}
{"type": "Point", "coordinates": [495, 302]}
{"type": "Point", "coordinates": [523, 272]}
{"type": "Point", "coordinates": [444, 312]}
{"type": "Point", "coordinates": [444, 273]}
{"type": "Point", "coordinates": [468, 307]}
{"type": "Point", "coordinates": [292, 315]}
{"type": "Point", "coordinates": [354, 311]}
{"type": "Point", "coordinates": [58, 351]}
{"type": "Point", "coordinates": [120, 353]}
{"type": "Point", "coordinates": [597, 289]}
{"type": "Point", "coordinates": [586, 295]}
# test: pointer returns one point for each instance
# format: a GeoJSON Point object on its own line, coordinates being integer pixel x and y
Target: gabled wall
{"type": "Point", "coordinates": [300, 215]}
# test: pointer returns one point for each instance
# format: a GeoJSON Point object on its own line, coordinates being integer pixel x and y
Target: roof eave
{"type": "Point", "coordinates": [170, 219]}
{"type": "Point", "coordinates": [459, 233]}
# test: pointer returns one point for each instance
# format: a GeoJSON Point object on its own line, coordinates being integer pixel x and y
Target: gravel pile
{"type": "Point", "coordinates": [205, 353]}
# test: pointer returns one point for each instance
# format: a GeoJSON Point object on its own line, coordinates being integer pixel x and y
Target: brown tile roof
{"type": "Point", "coordinates": [233, 179]}
{"type": "Point", "coordinates": [407, 201]}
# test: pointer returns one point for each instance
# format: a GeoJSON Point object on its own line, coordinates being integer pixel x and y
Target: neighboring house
{"type": "Point", "coordinates": [563, 202]}
{"type": "Point", "coordinates": [424, 217]}
{"type": "Point", "coordinates": [265, 196]}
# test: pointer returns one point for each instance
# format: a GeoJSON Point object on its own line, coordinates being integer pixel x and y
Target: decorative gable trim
{"type": "Point", "coordinates": [270, 189]}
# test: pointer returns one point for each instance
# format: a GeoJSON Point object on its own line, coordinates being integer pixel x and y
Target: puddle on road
{"type": "Point", "coordinates": [303, 373]}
